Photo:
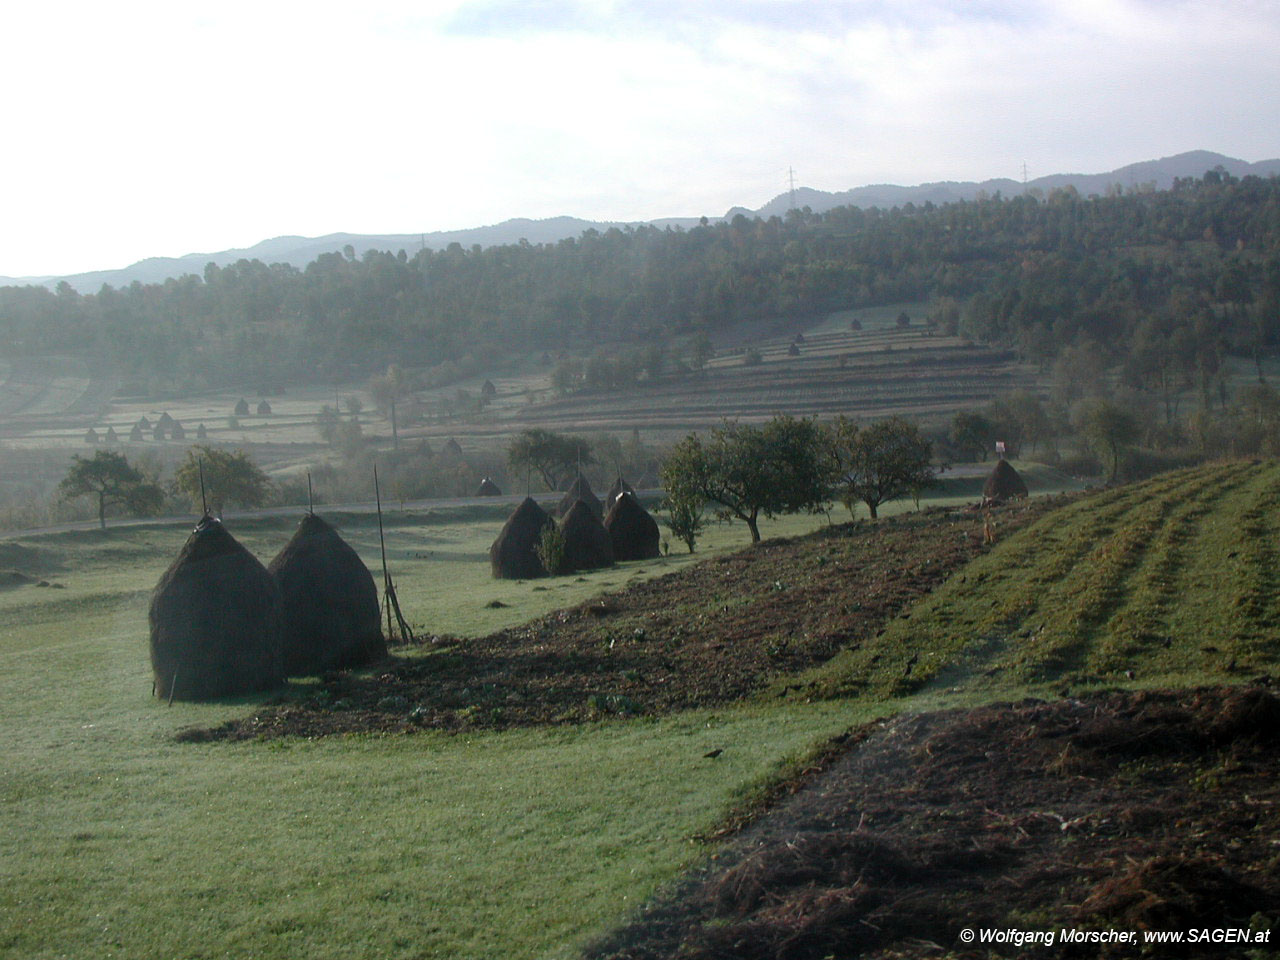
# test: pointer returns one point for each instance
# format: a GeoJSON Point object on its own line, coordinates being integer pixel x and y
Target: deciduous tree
{"type": "Point", "coordinates": [229, 478]}
{"type": "Point", "coordinates": [114, 481]}
{"type": "Point", "coordinates": [883, 462]}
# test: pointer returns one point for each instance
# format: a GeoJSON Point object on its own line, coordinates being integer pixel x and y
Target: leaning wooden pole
{"type": "Point", "coordinates": [390, 600]}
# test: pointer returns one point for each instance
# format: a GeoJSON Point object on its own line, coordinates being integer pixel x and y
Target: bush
{"type": "Point", "coordinates": [550, 550]}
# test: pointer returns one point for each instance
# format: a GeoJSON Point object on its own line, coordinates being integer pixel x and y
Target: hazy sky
{"type": "Point", "coordinates": [138, 129]}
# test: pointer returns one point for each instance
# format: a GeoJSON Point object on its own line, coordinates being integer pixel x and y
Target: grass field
{"type": "Point", "coordinates": [115, 840]}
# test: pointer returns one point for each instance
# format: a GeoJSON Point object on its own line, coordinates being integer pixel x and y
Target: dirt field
{"type": "Point", "coordinates": [1125, 812]}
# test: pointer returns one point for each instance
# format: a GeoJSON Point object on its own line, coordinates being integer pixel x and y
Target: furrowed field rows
{"type": "Point", "coordinates": [1079, 594]}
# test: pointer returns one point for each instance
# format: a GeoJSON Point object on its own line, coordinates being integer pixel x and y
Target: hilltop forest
{"type": "Point", "coordinates": [1163, 283]}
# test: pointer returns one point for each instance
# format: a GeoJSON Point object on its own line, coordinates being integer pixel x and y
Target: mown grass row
{"type": "Point", "coordinates": [1173, 578]}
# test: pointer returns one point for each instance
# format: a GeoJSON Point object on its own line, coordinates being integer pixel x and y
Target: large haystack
{"type": "Point", "coordinates": [1003, 483]}
{"type": "Point", "coordinates": [331, 614]}
{"type": "Point", "coordinates": [580, 490]}
{"type": "Point", "coordinates": [488, 489]}
{"type": "Point", "coordinates": [618, 488]}
{"type": "Point", "coordinates": [632, 531]}
{"type": "Point", "coordinates": [215, 620]}
{"type": "Point", "coordinates": [513, 555]}
{"type": "Point", "coordinates": [586, 542]}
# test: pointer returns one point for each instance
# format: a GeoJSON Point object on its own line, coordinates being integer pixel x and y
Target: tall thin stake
{"type": "Point", "coordinates": [311, 509]}
{"type": "Point", "coordinates": [204, 503]}
{"type": "Point", "coordinates": [382, 542]}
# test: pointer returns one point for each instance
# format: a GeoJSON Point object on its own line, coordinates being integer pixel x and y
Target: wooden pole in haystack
{"type": "Point", "coordinates": [311, 509]}
{"type": "Point", "coordinates": [204, 503]}
{"type": "Point", "coordinates": [388, 587]}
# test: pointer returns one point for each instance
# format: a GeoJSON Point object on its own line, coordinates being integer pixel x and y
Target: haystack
{"type": "Point", "coordinates": [632, 531]}
{"type": "Point", "coordinates": [586, 542]}
{"type": "Point", "coordinates": [452, 448]}
{"type": "Point", "coordinates": [1003, 483]}
{"type": "Point", "coordinates": [619, 487]}
{"type": "Point", "coordinates": [202, 432]}
{"type": "Point", "coordinates": [111, 435]}
{"type": "Point", "coordinates": [242, 408]}
{"type": "Point", "coordinates": [144, 423]}
{"type": "Point", "coordinates": [488, 391]}
{"type": "Point", "coordinates": [135, 435]}
{"type": "Point", "coordinates": [215, 620]}
{"type": "Point", "coordinates": [91, 436]}
{"type": "Point", "coordinates": [513, 555]}
{"type": "Point", "coordinates": [160, 430]}
{"type": "Point", "coordinates": [264, 408]}
{"type": "Point", "coordinates": [488, 489]}
{"type": "Point", "coordinates": [166, 420]}
{"type": "Point", "coordinates": [331, 615]}
{"type": "Point", "coordinates": [177, 431]}
{"type": "Point", "coordinates": [580, 490]}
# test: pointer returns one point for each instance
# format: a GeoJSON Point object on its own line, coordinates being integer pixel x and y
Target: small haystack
{"type": "Point", "coordinates": [452, 448]}
{"type": "Point", "coordinates": [215, 620]}
{"type": "Point", "coordinates": [177, 432]}
{"type": "Point", "coordinates": [586, 542]}
{"type": "Point", "coordinates": [111, 435]}
{"type": "Point", "coordinates": [242, 408]}
{"type": "Point", "coordinates": [793, 350]}
{"type": "Point", "coordinates": [488, 391]}
{"type": "Point", "coordinates": [161, 429]}
{"type": "Point", "coordinates": [202, 432]}
{"type": "Point", "coordinates": [166, 420]}
{"type": "Point", "coordinates": [264, 408]}
{"type": "Point", "coordinates": [632, 531]}
{"type": "Point", "coordinates": [135, 435]}
{"type": "Point", "coordinates": [424, 449]}
{"type": "Point", "coordinates": [513, 555]}
{"type": "Point", "coordinates": [331, 615]}
{"type": "Point", "coordinates": [488, 489]}
{"type": "Point", "coordinates": [619, 487]}
{"type": "Point", "coordinates": [1003, 483]}
{"type": "Point", "coordinates": [143, 423]}
{"type": "Point", "coordinates": [91, 436]}
{"type": "Point", "coordinates": [580, 490]}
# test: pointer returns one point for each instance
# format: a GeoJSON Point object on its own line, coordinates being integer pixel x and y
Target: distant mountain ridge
{"type": "Point", "coordinates": [299, 251]}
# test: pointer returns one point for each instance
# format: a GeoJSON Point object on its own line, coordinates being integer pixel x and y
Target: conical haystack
{"type": "Point", "coordinates": [331, 615]}
{"type": "Point", "coordinates": [586, 541]}
{"type": "Point", "coordinates": [488, 489]}
{"type": "Point", "coordinates": [632, 531]}
{"type": "Point", "coordinates": [513, 555]}
{"type": "Point", "coordinates": [619, 487]}
{"type": "Point", "coordinates": [580, 490]}
{"type": "Point", "coordinates": [215, 620]}
{"type": "Point", "coordinates": [1003, 483]}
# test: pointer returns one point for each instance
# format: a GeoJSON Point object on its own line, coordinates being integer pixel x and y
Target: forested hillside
{"type": "Point", "coordinates": [1167, 282]}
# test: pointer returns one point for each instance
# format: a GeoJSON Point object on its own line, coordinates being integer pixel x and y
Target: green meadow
{"type": "Point", "coordinates": [116, 840]}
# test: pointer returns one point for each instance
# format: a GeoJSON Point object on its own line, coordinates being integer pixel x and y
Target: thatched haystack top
{"type": "Point", "coordinates": [215, 620]}
{"type": "Point", "coordinates": [489, 489]}
{"type": "Point", "coordinates": [513, 555]}
{"type": "Point", "coordinates": [580, 489]}
{"type": "Point", "coordinates": [165, 418]}
{"type": "Point", "coordinates": [331, 614]}
{"type": "Point", "coordinates": [1004, 483]}
{"type": "Point", "coordinates": [633, 532]}
{"type": "Point", "coordinates": [618, 488]}
{"type": "Point", "coordinates": [586, 542]}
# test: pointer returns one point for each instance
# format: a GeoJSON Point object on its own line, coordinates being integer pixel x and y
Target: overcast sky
{"type": "Point", "coordinates": [139, 129]}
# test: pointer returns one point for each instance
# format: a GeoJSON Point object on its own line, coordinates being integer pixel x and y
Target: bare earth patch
{"type": "Point", "coordinates": [711, 633]}
{"type": "Point", "coordinates": [1156, 810]}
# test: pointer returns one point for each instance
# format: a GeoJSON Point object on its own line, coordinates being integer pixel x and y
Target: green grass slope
{"type": "Point", "coordinates": [1172, 581]}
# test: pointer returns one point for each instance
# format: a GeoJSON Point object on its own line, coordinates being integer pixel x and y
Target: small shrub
{"type": "Point", "coordinates": [550, 550]}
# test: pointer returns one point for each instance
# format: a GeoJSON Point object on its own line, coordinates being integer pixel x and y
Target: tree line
{"type": "Point", "coordinates": [1165, 282]}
